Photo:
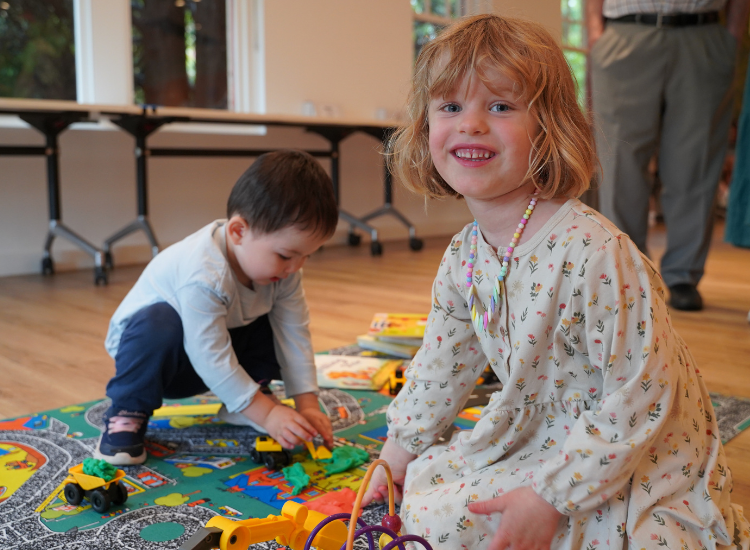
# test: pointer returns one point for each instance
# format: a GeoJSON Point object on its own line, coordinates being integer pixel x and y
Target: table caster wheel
{"type": "Point", "coordinates": [48, 267]}
{"type": "Point", "coordinates": [354, 239]}
{"type": "Point", "coordinates": [416, 244]}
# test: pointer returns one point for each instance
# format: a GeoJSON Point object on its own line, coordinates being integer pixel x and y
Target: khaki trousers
{"type": "Point", "coordinates": [666, 90]}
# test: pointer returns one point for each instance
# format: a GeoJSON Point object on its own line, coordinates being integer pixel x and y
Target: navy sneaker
{"type": "Point", "coordinates": [121, 442]}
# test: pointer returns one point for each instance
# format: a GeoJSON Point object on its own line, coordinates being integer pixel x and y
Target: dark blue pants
{"type": "Point", "coordinates": [151, 362]}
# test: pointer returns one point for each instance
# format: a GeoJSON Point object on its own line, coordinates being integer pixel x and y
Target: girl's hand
{"type": "Point", "coordinates": [529, 522]}
{"type": "Point", "coordinates": [398, 459]}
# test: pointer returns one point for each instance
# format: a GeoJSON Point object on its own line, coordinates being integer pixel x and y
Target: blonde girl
{"type": "Point", "coordinates": [603, 434]}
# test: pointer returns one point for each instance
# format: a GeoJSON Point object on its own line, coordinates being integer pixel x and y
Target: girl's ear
{"type": "Point", "coordinates": [236, 228]}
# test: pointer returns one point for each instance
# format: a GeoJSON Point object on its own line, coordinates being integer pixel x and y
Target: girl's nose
{"type": "Point", "coordinates": [472, 123]}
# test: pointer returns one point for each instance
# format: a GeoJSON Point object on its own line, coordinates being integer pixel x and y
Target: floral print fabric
{"type": "Point", "coordinates": [602, 411]}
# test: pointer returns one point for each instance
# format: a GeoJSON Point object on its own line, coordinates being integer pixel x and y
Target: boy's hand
{"type": "Point", "coordinates": [288, 427]}
{"type": "Point", "coordinates": [307, 405]}
{"type": "Point", "coordinates": [529, 522]}
{"type": "Point", "coordinates": [320, 421]}
{"type": "Point", "coordinates": [398, 459]}
{"type": "Point", "coordinates": [282, 423]}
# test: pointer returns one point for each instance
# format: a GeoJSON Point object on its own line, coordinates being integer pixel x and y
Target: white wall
{"type": "Point", "coordinates": [359, 66]}
{"type": "Point", "coordinates": [545, 12]}
{"type": "Point", "coordinates": [356, 56]}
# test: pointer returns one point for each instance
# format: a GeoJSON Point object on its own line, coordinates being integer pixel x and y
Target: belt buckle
{"type": "Point", "coordinates": [659, 18]}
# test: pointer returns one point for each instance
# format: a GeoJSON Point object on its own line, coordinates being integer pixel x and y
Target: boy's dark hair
{"type": "Point", "coordinates": [285, 188]}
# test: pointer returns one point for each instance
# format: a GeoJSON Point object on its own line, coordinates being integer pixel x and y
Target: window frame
{"type": "Point", "coordinates": [104, 54]}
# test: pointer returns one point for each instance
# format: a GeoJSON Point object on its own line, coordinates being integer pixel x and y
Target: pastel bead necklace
{"type": "Point", "coordinates": [481, 320]}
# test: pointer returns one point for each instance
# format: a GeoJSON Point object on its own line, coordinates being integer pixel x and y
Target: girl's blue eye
{"type": "Point", "coordinates": [451, 108]}
{"type": "Point", "coordinates": [499, 108]}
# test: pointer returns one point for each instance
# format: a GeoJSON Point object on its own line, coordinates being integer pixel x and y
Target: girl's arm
{"type": "Point", "coordinates": [444, 371]}
{"type": "Point", "coordinates": [620, 324]}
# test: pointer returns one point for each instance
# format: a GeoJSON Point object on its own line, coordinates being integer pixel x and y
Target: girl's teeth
{"type": "Point", "coordinates": [474, 154]}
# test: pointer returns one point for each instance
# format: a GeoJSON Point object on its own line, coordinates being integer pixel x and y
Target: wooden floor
{"type": "Point", "coordinates": [52, 329]}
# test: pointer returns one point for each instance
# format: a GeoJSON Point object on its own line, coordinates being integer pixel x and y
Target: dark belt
{"type": "Point", "coordinates": [669, 20]}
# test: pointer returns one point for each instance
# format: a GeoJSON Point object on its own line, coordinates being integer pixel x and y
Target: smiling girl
{"type": "Point", "coordinates": [603, 434]}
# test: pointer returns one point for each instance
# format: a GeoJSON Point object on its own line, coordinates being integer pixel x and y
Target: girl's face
{"type": "Point", "coordinates": [480, 140]}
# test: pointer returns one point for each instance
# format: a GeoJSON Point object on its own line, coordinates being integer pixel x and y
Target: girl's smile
{"type": "Point", "coordinates": [481, 139]}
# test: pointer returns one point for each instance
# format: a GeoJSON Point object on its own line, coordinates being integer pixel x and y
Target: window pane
{"type": "Point", "coordinates": [573, 35]}
{"type": "Point", "coordinates": [440, 7]}
{"type": "Point", "coordinates": [577, 62]}
{"type": "Point", "coordinates": [457, 8]}
{"type": "Point", "coordinates": [37, 49]}
{"type": "Point", "coordinates": [572, 9]}
{"type": "Point", "coordinates": [180, 52]}
{"type": "Point", "coordinates": [417, 6]}
{"type": "Point", "coordinates": [423, 33]}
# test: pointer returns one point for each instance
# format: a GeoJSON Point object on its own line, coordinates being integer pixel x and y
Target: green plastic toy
{"type": "Point", "coordinates": [99, 468]}
{"type": "Point", "coordinates": [345, 458]}
{"type": "Point", "coordinates": [297, 478]}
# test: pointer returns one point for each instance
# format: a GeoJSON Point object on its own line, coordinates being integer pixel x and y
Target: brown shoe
{"type": "Point", "coordinates": [685, 297]}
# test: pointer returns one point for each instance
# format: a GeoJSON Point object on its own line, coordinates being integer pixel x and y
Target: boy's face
{"type": "Point", "coordinates": [480, 139]}
{"type": "Point", "coordinates": [264, 258]}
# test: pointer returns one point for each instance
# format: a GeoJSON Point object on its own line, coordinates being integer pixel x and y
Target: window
{"type": "Point", "coordinates": [37, 49]}
{"type": "Point", "coordinates": [432, 15]}
{"type": "Point", "coordinates": [574, 42]}
{"type": "Point", "coordinates": [180, 52]}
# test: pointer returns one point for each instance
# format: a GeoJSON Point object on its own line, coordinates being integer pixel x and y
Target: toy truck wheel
{"type": "Point", "coordinates": [99, 500]}
{"type": "Point", "coordinates": [255, 457]}
{"type": "Point", "coordinates": [118, 494]}
{"type": "Point", "coordinates": [287, 458]}
{"type": "Point", "coordinates": [270, 461]}
{"type": "Point", "coordinates": [73, 494]}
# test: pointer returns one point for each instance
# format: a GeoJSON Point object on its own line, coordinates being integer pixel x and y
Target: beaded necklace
{"type": "Point", "coordinates": [481, 320]}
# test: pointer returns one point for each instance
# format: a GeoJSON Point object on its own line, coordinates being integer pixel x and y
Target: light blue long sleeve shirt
{"type": "Point", "coordinates": [195, 278]}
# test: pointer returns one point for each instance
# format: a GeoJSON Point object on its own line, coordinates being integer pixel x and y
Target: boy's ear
{"type": "Point", "coordinates": [236, 228]}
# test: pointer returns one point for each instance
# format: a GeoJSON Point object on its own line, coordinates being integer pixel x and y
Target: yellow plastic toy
{"type": "Point", "coordinates": [102, 494]}
{"type": "Point", "coordinates": [268, 451]}
{"type": "Point", "coordinates": [321, 453]}
{"type": "Point", "coordinates": [292, 528]}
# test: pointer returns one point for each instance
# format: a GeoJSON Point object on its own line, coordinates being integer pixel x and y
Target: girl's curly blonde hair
{"type": "Point", "coordinates": [563, 157]}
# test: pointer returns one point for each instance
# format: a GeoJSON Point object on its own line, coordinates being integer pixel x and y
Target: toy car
{"type": "Point", "coordinates": [100, 493]}
{"type": "Point", "coordinates": [269, 452]}
{"type": "Point", "coordinates": [396, 381]}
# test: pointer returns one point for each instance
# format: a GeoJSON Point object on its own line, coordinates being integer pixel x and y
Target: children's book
{"type": "Point", "coordinates": [354, 372]}
{"type": "Point", "coordinates": [398, 325]}
{"type": "Point", "coordinates": [399, 350]}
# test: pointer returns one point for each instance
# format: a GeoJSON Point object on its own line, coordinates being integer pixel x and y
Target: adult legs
{"type": "Point", "coordinates": [628, 67]}
{"type": "Point", "coordinates": [693, 145]}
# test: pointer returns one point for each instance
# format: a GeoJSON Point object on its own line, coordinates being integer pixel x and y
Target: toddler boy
{"type": "Point", "coordinates": [224, 310]}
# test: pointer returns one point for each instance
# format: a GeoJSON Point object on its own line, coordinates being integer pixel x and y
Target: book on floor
{"type": "Point", "coordinates": [407, 351]}
{"type": "Point", "coordinates": [398, 325]}
{"type": "Point", "coordinates": [354, 372]}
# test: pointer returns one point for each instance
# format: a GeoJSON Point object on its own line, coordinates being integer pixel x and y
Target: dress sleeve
{"type": "Point", "coordinates": [209, 346]}
{"type": "Point", "coordinates": [618, 319]}
{"type": "Point", "coordinates": [290, 321]}
{"type": "Point", "coordinates": [444, 371]}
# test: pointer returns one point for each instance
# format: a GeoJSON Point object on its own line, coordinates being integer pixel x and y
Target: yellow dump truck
{"type": "Point", "coordinates": [100, 493]}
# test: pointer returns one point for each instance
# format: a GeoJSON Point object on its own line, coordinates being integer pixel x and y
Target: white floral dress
{"type": "Point", "coordinates": [602, 411]}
